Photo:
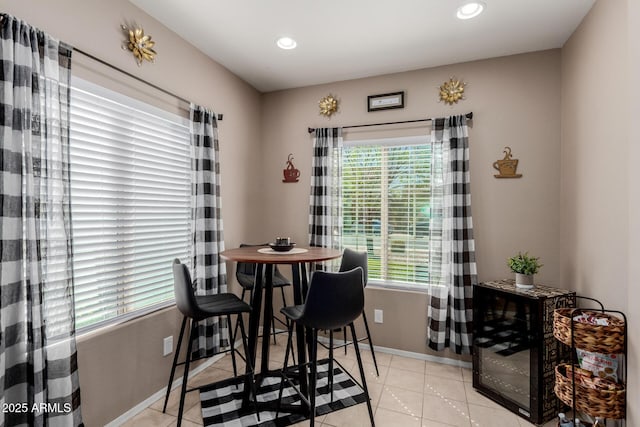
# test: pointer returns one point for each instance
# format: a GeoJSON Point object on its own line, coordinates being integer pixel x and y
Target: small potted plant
{"type": "Point", "coordinates": [525, 267]}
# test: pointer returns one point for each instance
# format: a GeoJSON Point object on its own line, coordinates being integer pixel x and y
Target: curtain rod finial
{"type": "Point", "coordinates": [311, 130]}
{"type": "Point", "coordinates": [220, 117]}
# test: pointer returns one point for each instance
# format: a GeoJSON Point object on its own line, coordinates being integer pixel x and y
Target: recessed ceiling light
{"type": "Point", "coordinates": [286, 43]}
{"type": "Point", "coordinates": [470, 9]}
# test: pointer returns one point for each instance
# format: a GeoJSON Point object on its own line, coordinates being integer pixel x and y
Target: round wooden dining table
{"type": "Point", "coordinates": [265, 258]}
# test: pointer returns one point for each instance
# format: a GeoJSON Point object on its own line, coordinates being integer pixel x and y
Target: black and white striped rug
{"type": "Point", "coordinates": [221, 402]}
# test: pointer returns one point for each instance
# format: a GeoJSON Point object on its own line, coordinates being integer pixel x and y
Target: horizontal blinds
{"type": "Point", "coordinates": [388, 209]}
{"type": "Point", "coordinates": [130, 203]}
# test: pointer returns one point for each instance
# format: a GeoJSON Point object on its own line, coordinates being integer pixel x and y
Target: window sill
{"type": "Point", "coordinates": [401, 287]}
{"type": "Point", "coordinates": [120, 321]}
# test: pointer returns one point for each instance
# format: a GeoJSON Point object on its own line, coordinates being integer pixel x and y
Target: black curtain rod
{"type": "Point", "coordinates": [88, 55]}
{"type": "Point", "coordinates": [469, 116]}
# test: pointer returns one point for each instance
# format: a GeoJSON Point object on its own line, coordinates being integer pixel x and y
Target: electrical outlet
{"type": "Point", "coordinates": [377, 316]}
{"type": "Point", "coordinates": [167, 345]}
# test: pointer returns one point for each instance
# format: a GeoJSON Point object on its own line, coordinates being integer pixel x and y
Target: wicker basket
{"type": "Point", "coordinates": [595, 402]}
{"type": "Point", "coordinates": [602, 339]}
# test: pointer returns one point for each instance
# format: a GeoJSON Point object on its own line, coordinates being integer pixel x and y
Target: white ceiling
{"type": "Point", "coordinates": [347, 39]}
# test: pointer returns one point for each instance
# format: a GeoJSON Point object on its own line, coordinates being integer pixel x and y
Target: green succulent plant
{"type": "Point", "coordinates": [524, 264]}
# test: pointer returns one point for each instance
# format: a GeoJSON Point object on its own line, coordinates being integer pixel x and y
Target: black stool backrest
{"type": "Point", "coordinates": [246, 271]}
{"type": "Point", "coordinates": [185, 298]}
{"type": "Point", "coordinates": [352, 259]}
{"type": "Point", "coordinates": [334, 300]}
{"type": "Point", "coordinates": [247, 267]}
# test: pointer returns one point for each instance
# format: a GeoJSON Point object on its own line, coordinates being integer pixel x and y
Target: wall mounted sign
{"type": "Point", "coordinates": [291, 174]}
{"type": "Point", "coordinates": [507, 166]}
{"type": "Point", "coordinates": [139, 44]}
{"type": "Point", "coordinates": [328, 105]}
{"type": "Point", "coordinates": [452, 91]}
{"type": "Point", "coordinates": [385, 101]}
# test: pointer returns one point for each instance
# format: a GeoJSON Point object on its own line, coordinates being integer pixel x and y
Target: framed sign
{"type": "Point", "coordinates": [385, 101]}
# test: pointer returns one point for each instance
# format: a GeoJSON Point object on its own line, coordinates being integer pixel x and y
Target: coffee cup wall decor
{"type": "Point", "coordinates": [290, 173]}
{"type": "Point", "coordinates": [507, 166]}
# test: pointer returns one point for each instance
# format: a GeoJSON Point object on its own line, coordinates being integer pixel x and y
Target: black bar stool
{"type": "Point", "coordinates": [196, 308]}
{"type": "Point", "coordinates": [334, 301]}
{"type": "Point", "coordinates": [350, 260]}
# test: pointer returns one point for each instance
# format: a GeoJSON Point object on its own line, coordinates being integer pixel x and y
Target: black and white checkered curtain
{"type": "Point", "coordinates": [208, 270]}
{"type": "Point", "coordinates": [450, 302]}
{"type": "Point", "coordinates": [325, 201]}
{"type": "Point", "coordinates": [38, 361]}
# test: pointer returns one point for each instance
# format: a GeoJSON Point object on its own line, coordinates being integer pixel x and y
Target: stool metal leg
{"type": "Point", "coordinates": [175, 363]}
{"type": "Point", "coordinates": [331, 363]}
{"type": "Point", "coordinates": [235, 332]}
{"type": "Point", "coordinates": [287, 321]}
{"type": "Point", "coordinates": [185, 376]}
{"type": "Point", "coordinates": [313, 377]}
{"type": "Point", "coordinates": [344, 334]}
{"type": "Point", "coordinates": [362, 376]}
{"type": "Point", "coordinates": [233, 347]}
{"type": "Point", "coordinates": [273, 325]}
{"type": "Point", "coordinates": [284, 368]}
{"type": "Point", "coordinates": [373, 353]}
{"type": "Point", "coordinates": [245, 347]}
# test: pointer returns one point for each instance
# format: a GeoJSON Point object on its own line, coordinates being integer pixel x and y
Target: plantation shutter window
{"type": "Point", "coordinates": [130, 203]}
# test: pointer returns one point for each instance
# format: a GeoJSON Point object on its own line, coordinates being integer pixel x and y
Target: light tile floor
{"type": "Point", "coordinates": [409, 392]}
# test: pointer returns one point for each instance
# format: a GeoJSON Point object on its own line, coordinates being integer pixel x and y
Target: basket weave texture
{"type": "Point", "coordinates": [598, 402]}
{"type": "Point", "coordinates": [604, 339]}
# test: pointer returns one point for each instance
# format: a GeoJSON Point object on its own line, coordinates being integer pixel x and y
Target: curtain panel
{"type": "Point", "coordinates": [38, 360]}
{"type": "Point", "coordinates": [325, 201]}
{"type": "Point", "coordinates": [450, 301]}
{"type": "Point", "coordinates": [208, 270]}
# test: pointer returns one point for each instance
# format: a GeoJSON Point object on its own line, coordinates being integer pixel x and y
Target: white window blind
{"type": "Point", "coordinates": [130, 203]}
{"type": "Point", "coordinates": [389, 210]}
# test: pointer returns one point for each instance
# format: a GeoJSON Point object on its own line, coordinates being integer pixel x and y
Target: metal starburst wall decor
{"type": "Point", "coordinates": [328, 105]}
{"type": "Point", "coordinates": [452, 91]}
{"type": "Point", "coordinates": [139, 44]}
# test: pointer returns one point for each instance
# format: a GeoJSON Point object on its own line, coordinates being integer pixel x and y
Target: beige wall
{"type": "Point", "coordinates": [633, 314]}
{"type": "Point", "coordinates": [516, 103]}
{"type": "Point", "coordinates": [574, 206]}
{"type": "Point", "coordinates": [633, 385]}
{"type": "Point", "coordinates": [122, 366]}
{"type": "Point", "coordinates": [600, 208]}
{"type": "Point", "coordinates": [594, 149]}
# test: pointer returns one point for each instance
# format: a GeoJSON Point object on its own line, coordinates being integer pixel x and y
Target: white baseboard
{"type": "Point", "coordinates": [160, 393]}
{"type": "Point", "coordinates": [411, 354]}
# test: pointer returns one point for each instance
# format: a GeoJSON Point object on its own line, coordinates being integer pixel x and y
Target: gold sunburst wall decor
{"type": "Point", "coordinates": [452, 91]}
{"type": "Point", "coordinates": [139, 44]}
{"type": "Point", "coordinates": [328, 105]}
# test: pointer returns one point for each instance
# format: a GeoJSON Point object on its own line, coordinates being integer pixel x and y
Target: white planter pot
{"type": "Point", "coordinates": [524, 281]}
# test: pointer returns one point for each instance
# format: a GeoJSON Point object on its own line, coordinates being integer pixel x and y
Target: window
{"type": "Point", "coordinates": [130, 203]}
{"type": "Point", "coordinates": [388, 208]}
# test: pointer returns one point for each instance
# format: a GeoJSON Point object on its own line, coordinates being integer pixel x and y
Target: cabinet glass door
{"type": "Point", "coordinates": [504, 338]}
